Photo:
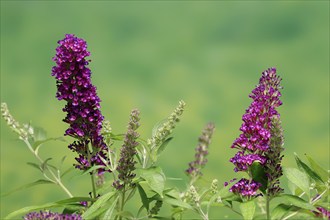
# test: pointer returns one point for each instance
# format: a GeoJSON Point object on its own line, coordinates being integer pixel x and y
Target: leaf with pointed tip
{"type": "Point", "coordinates": [300, 179]}
{"type": "Point", "coordinates": [296, 201]}
{"type": "Point", "coordinates": [34, 165]}
{"type": "Point", "coordinates": [143, 196]}
{"type": "Point", "coordinates": [26, 186]}
{"type": "Point", "coordinates": [95, 208]}
{"type": "Point", "coordinates": [163, 145]}
{"type": "Point", "coordinates": [62, 203]}
{"type": "Point", "coordinates": [109, 212]}
{"type": "Point", "coordinates": [44, 164]}
{"type": "Point", "coordinates": [177, 203]}
{"type": "Point", "coordinates": [279, 211]}
{"type": "Point", "coordinates": [248, 209]}
{"type": "Point", "coordinates": [318, 169]}
{"type": "Point", "coordinates": [307, 169]}
{"type": "Point", "coordinates": [259, 175]}
{"type": "Point", "coordinates": [91, 169]}
{"type": "Point", "coordinates": [155, 179]}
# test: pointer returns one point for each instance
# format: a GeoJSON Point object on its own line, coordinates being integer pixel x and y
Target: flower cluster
{"type": "Point", "coordinates": [201, 150]}
{"type": "Point", "coordinates": [83, 105]}
{"type": "Point", "coordinates": [126, 163]}
{"type": "Point", "coordinates": [47, 215]}
{"type": "Point", "coordinates": [261, 139]}
{"type": "Point", "coordinates": [246, 188]}
{"type": "Point", "coordinates": [243, 162]}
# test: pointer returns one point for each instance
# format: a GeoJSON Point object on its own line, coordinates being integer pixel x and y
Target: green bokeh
{"type": "Point", "coordinates": [149, 55]}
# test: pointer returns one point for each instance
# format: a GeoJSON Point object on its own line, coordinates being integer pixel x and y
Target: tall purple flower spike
{"type": "Point", "coordinates": [261, 139]}
{"type": "Point", "coordinates": [83, 105]}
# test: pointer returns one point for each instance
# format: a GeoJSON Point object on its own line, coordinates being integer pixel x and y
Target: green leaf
{"type": "Point", "coordinates": [279, 211]}
{"type": "Point", "coordinates": [247, 209]}
{"type": "Point", "coordinates": [298, 178]}
{"type": "Point", "coordinates": [26, 186]}
{"type": "Point", "coordinates": [117, 137]}
{"type": "Point", "coordinates": [109, 212]}
{"type": "Point", "coordinates": [143, 196]}
{"type": "Point", "coordinates": [155, 179]}
{"type": "Point", "coordinates": [34, 165]}
{"type": "Point", "coordinates": [307, 169]}
{"type": "Point", "coordinates": [177, 202]}
{"type": "Point", "coordinates": [91, 169]}
{"type": "Point", "coordinates": [44, 164]}
{"type": "Point", "coordinates": [318, 169]}
{"type": "Point", "coordinates": [126, 214]}
{"type": "Point", "coordinates": [67, 171]}
{"type": "Point", "coordinates": [297, 201]}
{"type": "Point", "coordinates": [37, 144]}
{"type": "Point", "coordinates": [259, 175]}
{"type": "Point", "coordinates": [95, 208]}
{"type": "Point", "coordinates": [163, 145]}
{"type": "Point", "coordinates": [62, 203]}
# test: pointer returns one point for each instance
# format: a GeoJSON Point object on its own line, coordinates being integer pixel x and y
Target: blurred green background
{"type": "Point", "coordinates": [149, 55]}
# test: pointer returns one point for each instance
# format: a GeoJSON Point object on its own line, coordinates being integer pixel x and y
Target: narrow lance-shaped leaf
{"type": "Point", "coordinates": [101, 202]}
{"type": "Point", "coordinates": [26, 186]}
{"type": "Point", "coordinates": [61, 203]}
{"type": "Point", "coordinates": [318, 169]}
{"type": "Point", "coordinates": [298, 178]}
{"type": "Point", "coordinates": [143, 196]}
{"type": "Point", "coordinates": [297, 201]}
{"type": "Point", "coordinates": [307, 169]}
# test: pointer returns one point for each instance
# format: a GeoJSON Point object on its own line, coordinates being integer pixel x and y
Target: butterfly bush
{"type": "Point", "coordinates": [134, 171]}
{"type": "Point", "coordinates": [261, 139]}
{"type": "Point", "coordinates": [73, 79]}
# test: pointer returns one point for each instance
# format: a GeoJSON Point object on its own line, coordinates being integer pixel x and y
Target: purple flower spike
{"type": "Point", "coordinates": [262, 135]}
{"type": "Point", "coordinates": [47, 215]}
{"type": "Point", "coordinates": [201, 150]}
{"type": "Point", "coordinates": [73, 79]}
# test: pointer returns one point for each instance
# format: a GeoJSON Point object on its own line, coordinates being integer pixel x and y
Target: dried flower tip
{"type": "Point", "coordinates": [126, 163]}
{"type": "Point", "coordinates": [167, 127]}
{"type": "Point", "coordinates": [201, 150]}
{"type": "Point", "coordinates": [24, 132]}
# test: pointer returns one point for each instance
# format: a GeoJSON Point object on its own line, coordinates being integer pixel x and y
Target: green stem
{"type": "Point", "coordinates": [57, 179]}
{"type": "Point", "coordinates": [93, 184]}
{"type": "Point", "coordinates": [92, 174]}
{"type": "Point", "coordinates": [267, 207]}
{"type": "Point", "coordinates": [122, 203]}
